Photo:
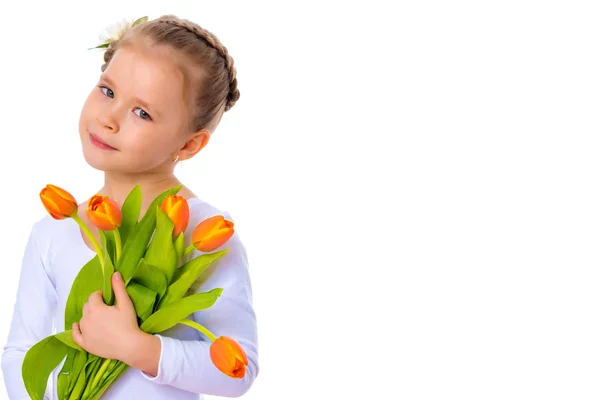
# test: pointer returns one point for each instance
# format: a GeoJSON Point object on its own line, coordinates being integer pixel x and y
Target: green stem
{"type": "Point", "coordinates": [188, 250]}
{"type": "Point", "coordinates": [86, 386]}
{"type": "Point", "coordinates": [117, 243]}
{"type": "Point", "coordinates": [109, 369]}
{"type": "Point", "coordinates": [100, 372]}
{"type": "Point", "coordinates": [199, 327]}
{"type": "Point", "coordinates": [120, 368]}
{"type": "Point", "coordinates": [91, 237]}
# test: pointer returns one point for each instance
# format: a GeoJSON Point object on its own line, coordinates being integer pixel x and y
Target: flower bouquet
{"type": "Point", "coordinates": [149, 254]}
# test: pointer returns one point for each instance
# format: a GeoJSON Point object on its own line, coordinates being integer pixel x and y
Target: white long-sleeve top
{"type": "Point", "coordinates": [54, 254]}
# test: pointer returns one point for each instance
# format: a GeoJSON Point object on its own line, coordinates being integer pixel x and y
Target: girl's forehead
{"type": "Point", "coordinates": [147, 72]}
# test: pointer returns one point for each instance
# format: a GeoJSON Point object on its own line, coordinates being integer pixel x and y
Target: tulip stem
{"type": "Point", "coordinates": [103, 367]}
{"type": "Point", "coordinates": [117, 242]}
{"type": "Point", "coordinates": [86, 230]}
{"type": "Point", "coordinates": [188, 250]}
{"type": "Point", "coordinates": [199, 327]}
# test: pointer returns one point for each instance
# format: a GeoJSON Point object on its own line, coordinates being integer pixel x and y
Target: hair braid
{"type": "Point", "coordinates": [213, 41]}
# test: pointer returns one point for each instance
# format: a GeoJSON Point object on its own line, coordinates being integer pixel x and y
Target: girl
{"type": "Point", "coordinates": [164, 87]}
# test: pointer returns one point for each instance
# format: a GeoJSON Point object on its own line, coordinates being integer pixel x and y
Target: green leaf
{"type": "Point", "coordinates": [84, 376]}
{"type": "Point", "coordinates": [90, 372]}
{"type": "Point", "coordinates": [134, 250]}
{"type": "Point", "coordinates": [66, 337]}
{"type": "Point", "coordinates": [179, 246]}
{"type": "Point", "coordinates": [130, 212]}
{"type": "Point", "coordinates": [88, 280]}
{"type": "Point", "coordinates": [143, 299]}
{"type": "Point", "coordinates": [74, 365]}
{"type": "Point", "coordinates": [109, 269]}
{"type": "Point", "coordinates": [139, 21]}
{"type": "Point", "coordinates": [161, 253]}
{"type": "Point", "coordinates": [39, 362]}
{"type": "Point", "coordinates": [150, 277]}
{"type": "Point", "coordinates": [170, 315]}
{"type": "Point", "coordinates": [79, 383]}
{"type": "Point", "coordinates": [187, 275]}
{"type": "Point", "coordinates": [138, 242]}
{"type": "Point", "coordinates": [100, 46]}
{"type": "Point", "coordinates": [108, 246]}
{"type": "Point", "coordinates": [65, 373]}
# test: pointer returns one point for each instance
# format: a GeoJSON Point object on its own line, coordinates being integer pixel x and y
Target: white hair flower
{"type": "Point", "coordinates": [115, 31]}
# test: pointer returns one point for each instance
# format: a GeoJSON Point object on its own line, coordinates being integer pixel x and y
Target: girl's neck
{"type": "Point", "coordinates": [117, 187]}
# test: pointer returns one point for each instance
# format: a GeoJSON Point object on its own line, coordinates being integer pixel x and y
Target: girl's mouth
{"type": "Point", "coordinates": [96, 141]}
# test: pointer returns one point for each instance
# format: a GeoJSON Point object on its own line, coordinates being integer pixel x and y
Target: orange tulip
{"type": "Point", "coordinates": [58, 202]}
{"type": "Point", "coordinates": [229, 357]}
{"type": "Point", "coordinates": [104, 213]}
{"type": "Point", "coordinates": [212, 233]}
{"type": "Point", "coordinates": [178, 210]}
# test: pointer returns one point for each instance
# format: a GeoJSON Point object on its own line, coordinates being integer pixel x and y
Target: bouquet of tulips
{"type": "Point", "coordinates": [149, 254]}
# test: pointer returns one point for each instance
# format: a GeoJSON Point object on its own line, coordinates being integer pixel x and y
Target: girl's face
{"type": "Point", "coordinates": [136, 118]}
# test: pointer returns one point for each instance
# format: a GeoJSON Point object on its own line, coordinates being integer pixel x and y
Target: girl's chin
{"type": "Point", "coordinates": [102, 162]}
{"type": "Point", "coordinates": [99, 163]}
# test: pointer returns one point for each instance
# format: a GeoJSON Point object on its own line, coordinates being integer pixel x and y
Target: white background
{"type": "Point", "coordinates": [417, 187]}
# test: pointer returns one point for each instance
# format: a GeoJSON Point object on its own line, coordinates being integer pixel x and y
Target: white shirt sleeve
{"type": "Point", "coordinates": [32, 317]}
{"type": "Point", "coordinates": [187, 364]}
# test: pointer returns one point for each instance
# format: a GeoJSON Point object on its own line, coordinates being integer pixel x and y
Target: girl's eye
{"type": "Point", "coordinates": [107, 92]}
{"type": "Point", "coordinates": [142, 114]}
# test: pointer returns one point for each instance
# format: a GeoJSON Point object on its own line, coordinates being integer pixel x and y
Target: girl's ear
{"type": "Point", "coordinates": [195, 144]}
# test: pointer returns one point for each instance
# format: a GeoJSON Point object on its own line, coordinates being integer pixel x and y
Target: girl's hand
{"type": "Point", "coordinates": [108, 331]}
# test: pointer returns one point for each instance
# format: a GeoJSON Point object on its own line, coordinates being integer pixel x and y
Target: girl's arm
{"type": "Point", "coordinates": [187, 364]}
{"type": "Point", "coordinates": [32, 316]}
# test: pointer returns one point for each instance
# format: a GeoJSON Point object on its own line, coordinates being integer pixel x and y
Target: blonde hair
{"type": "Point", "coordinates": [217, 91]}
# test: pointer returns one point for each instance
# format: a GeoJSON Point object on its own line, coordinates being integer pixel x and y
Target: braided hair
{"type": "Point", "coordinates": [218, 89]}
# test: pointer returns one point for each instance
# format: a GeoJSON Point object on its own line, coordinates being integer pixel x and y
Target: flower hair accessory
{"type": "Point", "coordinates": [116, 32]}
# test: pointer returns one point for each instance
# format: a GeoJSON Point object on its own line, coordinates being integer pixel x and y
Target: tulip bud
{"type": "Point", "coordinates": [212, 233]}
{"type": "Point", "coordinates": [229, 357]}
{"type": "Point", "coordinates": [178, 210]}
{"type": "Point", "coordinates": [59, 203]}
{"type": "Point", "coordinates": [104, 213]}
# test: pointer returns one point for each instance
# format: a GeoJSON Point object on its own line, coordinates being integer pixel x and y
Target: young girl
{"type": "Point", "coordinates": [164, 87]}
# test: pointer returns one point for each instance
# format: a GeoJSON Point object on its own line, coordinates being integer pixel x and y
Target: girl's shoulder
{"type": "Point", "coordinates": [200, 210]}
{"type": "Point", "coordinates": [47, 229]}
{"type": "Point", "coordinates": [55, 242]}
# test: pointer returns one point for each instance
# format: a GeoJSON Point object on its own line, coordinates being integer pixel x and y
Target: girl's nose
{"type": "Point", "coordinates": [108, 121]}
